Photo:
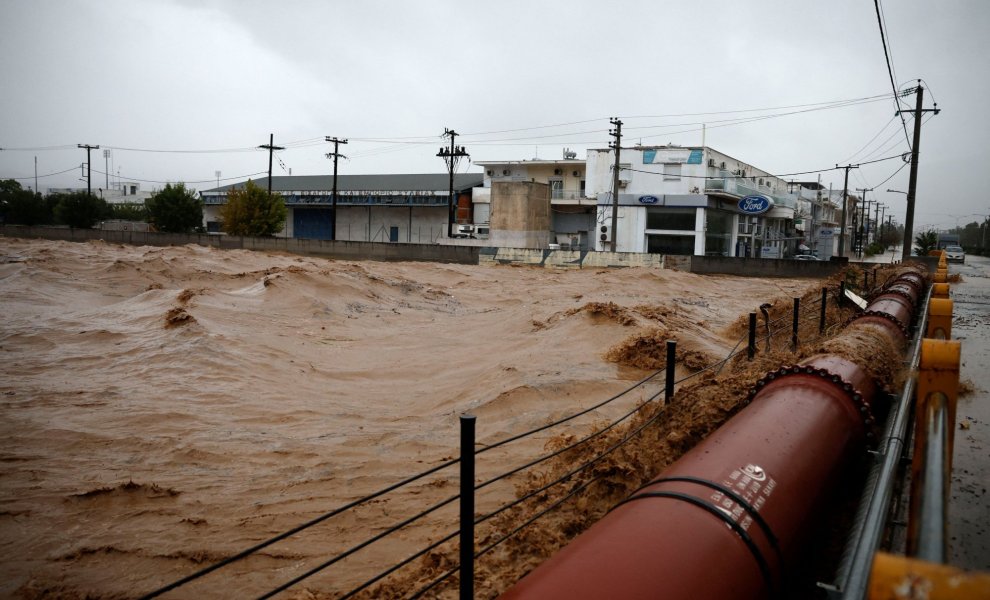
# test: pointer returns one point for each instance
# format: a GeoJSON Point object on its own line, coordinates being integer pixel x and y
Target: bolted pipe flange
{"type": "Point", "coordinates": [855, 396]}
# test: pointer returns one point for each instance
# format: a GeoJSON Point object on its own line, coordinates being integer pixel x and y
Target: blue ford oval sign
{"type": "Point", "coordinates": [755, 205]}
{"type": "Point", "coordinates": [648, 199]}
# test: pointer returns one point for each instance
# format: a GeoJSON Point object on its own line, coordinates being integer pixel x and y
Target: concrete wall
{"type": "Point", "coordinates": [520, 214]}
{"type": "Point", "coordinates": [344, 250]}
{"type": "Point", "coordinates": [568, 259]}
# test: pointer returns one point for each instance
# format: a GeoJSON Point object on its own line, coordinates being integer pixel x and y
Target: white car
{"type": "Point", "coordinates": [955, 254]}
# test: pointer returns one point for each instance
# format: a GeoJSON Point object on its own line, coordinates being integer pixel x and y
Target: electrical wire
{"type": "Point", "coordinates": [72, 168]}
{"type": "Point", "coordinates": [211, 180]}
{"type": "Point", "coordinates": [890, 69]}
{"type": "Point", "coordinates": [882, 129]}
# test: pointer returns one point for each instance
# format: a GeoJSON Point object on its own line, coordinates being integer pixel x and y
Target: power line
{"type": "Point", "coordinates": [882, 129]}
{"type": "Point", "coordinates": [72, 168]}
{"type": "Point", "coordinates": [890, 69]}
{"type": "Point", "coordinates": [211, 180]}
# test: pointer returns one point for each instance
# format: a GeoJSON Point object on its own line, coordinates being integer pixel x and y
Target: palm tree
{"type": "Point", "coordinates": [925, 242]}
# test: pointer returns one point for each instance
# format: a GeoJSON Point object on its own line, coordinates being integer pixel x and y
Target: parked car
{"type": "Point", "coordinates": [955, 254]}
{"type": "Point", "coordinates": [805, 257]}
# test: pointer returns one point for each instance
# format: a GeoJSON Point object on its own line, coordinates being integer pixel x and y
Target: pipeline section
{"type": "Point", "coordinates": [725, 520]}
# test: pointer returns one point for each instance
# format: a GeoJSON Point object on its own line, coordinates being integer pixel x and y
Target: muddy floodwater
{"type": "Point", "coordinates": [164, 408]}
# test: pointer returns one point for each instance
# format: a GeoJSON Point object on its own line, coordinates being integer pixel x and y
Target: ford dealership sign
{"type": "Point", "coordinates": [755, 205]}
{"type": "Point", "coordinates": [648, 199]}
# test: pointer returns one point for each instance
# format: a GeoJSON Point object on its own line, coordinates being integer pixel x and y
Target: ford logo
{"type": "Point", "coordinates": [648, 199]}
{"type": "Point", "coordinates": [755, 205]}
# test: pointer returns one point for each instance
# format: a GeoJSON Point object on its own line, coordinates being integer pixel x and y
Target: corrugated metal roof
{"type": "Point", "coordinates": [428, 182]}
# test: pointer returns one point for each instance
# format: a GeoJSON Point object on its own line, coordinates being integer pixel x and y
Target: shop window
{"type": "Point", "coordinates": [680, 245]}
{"type": "Point", "coordinates": [718, 232]}
{"type": "Point", "coordinates": [677, 219]}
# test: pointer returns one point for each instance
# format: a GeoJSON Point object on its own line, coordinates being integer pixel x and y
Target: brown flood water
{"type": "Point", "coordinates": [164, 408]}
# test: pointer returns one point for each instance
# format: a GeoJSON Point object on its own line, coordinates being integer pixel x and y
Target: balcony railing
{"type": "Point", "coordinates": [744, 187]}
{"type": "Point", "coordinates": [566, 195]}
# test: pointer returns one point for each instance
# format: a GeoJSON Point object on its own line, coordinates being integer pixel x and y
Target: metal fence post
{"type": "Point", "coordinates": [668, 391]}
{"type": "Point", "coordinates": [751, 349]}
{"type": "Point", "coordinates": [467, 508]}
{"type": "Point", "coordinates": [795, 323]}
{"type": "Point", "coordinates": [821, 317]}
{"type": "Point", "coordinates": [842, 292]}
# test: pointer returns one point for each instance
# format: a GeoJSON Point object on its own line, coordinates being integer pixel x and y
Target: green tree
{"type": "Point", "coordinates": [80, 209]}
{"type": "Point", "coordinates": [129, 211]}
{"type": "Point", "coordinates": [175, 209]}
{"type": "Point", "coordinates": [252, 211]}
{"type": "Point", "coordinates": [21, 206]}
{"type": "Point", "coordinates": [925, 242]}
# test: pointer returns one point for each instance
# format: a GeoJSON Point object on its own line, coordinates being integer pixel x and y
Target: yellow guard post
{"type": "Point", "coordinates": [901, 578]}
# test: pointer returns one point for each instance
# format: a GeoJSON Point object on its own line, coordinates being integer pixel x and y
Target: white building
{"type": "Point", "coordinates": [691, 200]}
{"type": "Point", "coordinates": [122, 192]}
{"type": "Point", "coordinates": [572, 212]}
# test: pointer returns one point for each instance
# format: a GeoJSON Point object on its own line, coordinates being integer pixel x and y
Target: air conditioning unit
{"type": "Point", "coordinates": [505, 171]}
{"type": "Point", "coordinates": [605, 233]}
{"type": "Point", "coordinates": [623, 183]}
{"type": "Point", "coordinates": [490, 172]}
{"type": "Point", "coordinates": [577, 173]}
{"type": "Point", "coordinates": [557, 171]}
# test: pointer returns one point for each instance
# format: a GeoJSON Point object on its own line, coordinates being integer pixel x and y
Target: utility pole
{"type": "Point", "coordinates": [451, 156]}
{"type": "Point", "coordinates": [876, 218]}
{"type": "Point", "coordinates": [271, 147]}
{"type": "Point", "coordinates": [36, 190]}
{"type": "Point", "coordinates": [864, 223]}
{"type": "Point", "coordinates": [845, 202]}
{"type": "Point", "coordinates": [106, 167]}
{"type": "Point", "coordinates": [617, 134]}
{"type": "Point", "coordinates": [333, 199]}
{"type": "Point", "coordinates": [89, 167]}
{"type": "Point", "coordinates": [913, 182]}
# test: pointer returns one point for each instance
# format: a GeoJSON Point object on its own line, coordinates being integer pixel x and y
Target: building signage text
{"type": "Point", "coordinates": [755, 205]}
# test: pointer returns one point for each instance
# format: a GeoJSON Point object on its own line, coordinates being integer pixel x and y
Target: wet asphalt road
{"type": "Point", "coordinates": [969, 508]}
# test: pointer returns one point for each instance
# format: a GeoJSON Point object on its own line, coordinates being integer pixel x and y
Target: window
{"type": "Point", "coordinates": [682, 245]}
{"type": "Point", "coordinates": [718, 234]}
{"type": "Point", "coordinates": [678, 219]}
{"type": "Point", "coordinates": [671, 171]}
{"type": "Point", "coordinates": [556, 188]}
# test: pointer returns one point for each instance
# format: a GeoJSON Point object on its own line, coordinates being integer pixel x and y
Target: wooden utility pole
{"type": "Point", "coordinates": [271, 147]}
{"type": "Point", "coordinates": [333, 199]}
{"type": "Point", "coordinates": [451, 156]}
{"type": "Point", "coordinates": [617, 145]}
{"type": "Point", "coordinates": [864, 222]}
{"type": "Point", "coordinates": [913, 182]}
{"type": "Point", "coordinates": [845, 202]}
{"type": "Point", "coordinates": [89, 167]}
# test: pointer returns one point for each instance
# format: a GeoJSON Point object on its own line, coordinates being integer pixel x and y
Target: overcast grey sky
{"type": "Point", "coordinates": [391, 75]}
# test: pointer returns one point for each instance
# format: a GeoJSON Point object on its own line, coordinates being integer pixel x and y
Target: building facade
{"type": "Point", "coordinates": [691, 200]}
{"type": "Point", "coordinates": [573, 213]}
{"type": "Point", "coordinates": [370, 208]}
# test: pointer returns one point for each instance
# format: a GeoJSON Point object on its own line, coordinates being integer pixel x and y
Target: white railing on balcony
{"type": "Point", "coordinates": [744, 187]}
{"type": "Point", "coordinates": [566, 195]}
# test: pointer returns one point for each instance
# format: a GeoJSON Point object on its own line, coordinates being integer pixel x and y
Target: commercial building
{"type": "Point", "coordinates": [370, 208]}
{"type": "Point", "coordinates": [691, 200]}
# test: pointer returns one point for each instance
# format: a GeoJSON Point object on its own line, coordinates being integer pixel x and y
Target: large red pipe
{"type": "Point", "coordinates": [723, 521]}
